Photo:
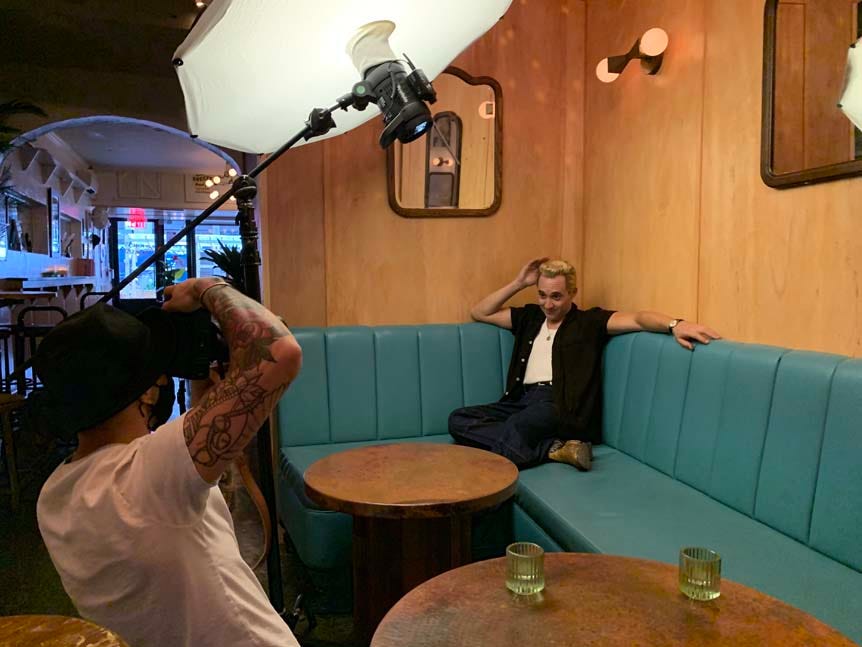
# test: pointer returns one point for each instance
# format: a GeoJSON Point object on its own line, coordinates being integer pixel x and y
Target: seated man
{"type": "Point", "coordinates": [142, 540]}
{"type": "Point", "coordinates": [552, 405]}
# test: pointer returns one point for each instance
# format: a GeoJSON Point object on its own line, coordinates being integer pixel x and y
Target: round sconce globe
{"type": "Point", "coordinates": [654, 42]}
{"type": "Point", "coordinates": [603, 74]}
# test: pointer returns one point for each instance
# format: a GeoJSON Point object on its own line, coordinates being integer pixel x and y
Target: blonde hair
{"type": "Point", "coordinates": [560, 268]}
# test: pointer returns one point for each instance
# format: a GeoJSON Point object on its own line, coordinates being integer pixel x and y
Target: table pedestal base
{"type": "Point", "coordinates": [392, 556]}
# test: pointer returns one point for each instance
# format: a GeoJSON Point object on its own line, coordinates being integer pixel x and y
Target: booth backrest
{"type": "Point", "coordinates": [360, 383]}
{"type": "Point", "coordinates": [773, 433]}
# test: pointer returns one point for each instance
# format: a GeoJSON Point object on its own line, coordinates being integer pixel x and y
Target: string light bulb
{"type": "Point", "coordinates": [227, 177]}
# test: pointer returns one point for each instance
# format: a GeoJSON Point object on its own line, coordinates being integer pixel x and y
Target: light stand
{"type": "Point", "coordinates": [244, 188]}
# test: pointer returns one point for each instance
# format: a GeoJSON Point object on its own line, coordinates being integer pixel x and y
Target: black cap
{"type": "Point", "coordinates": [100, 360]}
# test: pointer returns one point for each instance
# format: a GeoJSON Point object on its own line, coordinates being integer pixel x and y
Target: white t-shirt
{"type": "Point", "coordinates": [145, 547]}
{"type": "Point", "coordinates": [539, 367]}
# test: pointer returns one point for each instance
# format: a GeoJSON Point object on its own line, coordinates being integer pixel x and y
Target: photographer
{"type": "Point", "coordinates": [142, 539]}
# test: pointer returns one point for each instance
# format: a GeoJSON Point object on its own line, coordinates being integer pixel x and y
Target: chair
{"type": "Point", "coordinates": [27, 337]}
{"type": "Point", "coordinates": [6, 347]}
{"type": "Point", "coordinates": [8, 404]}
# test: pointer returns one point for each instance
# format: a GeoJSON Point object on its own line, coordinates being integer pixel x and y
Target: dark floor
{"type": "Point", "coordinates": [30, 585]}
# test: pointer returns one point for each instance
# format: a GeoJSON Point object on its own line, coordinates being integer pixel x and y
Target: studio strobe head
{"type": "Point", "coordinates": [405, 114]}
{"type": "Point", "coordinates": [399, 89]}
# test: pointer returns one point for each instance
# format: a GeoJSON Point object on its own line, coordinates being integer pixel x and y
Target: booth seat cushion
{"type": "Point", "coordinates": [624, 507]}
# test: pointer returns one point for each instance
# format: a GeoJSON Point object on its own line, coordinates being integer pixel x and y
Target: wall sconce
{"type": "Point", "coordinates": [649, 48]}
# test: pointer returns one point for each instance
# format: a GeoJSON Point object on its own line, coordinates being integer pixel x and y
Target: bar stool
{"type": "Point", "coordinates": [29, 336]}
{"type": "Point", "coordinates": [8, 404]}
{"type": "Point", "coordinates": [6, 344]}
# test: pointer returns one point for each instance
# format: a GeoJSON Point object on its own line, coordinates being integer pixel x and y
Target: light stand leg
{"type": "Point", "coordinates": [245, 194]}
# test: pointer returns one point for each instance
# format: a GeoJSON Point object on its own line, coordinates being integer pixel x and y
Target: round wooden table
{"type": "Point", "coordinates": [56, 631]}
{"type": "Point", "coordinates": [592, 600]}
{"type": "Point", "coordinates": [411, 505]}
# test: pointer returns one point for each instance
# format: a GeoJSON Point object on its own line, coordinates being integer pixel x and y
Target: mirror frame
{"type": "Point", "coordinates": [794, 178]}
{"type": "Point", "coordinates": [408, 212]}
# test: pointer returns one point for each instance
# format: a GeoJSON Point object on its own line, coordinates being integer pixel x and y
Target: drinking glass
{"type": "Point", "coordinates": [700, 573]}
{"type": "Point", "coordinates": [525, 568]}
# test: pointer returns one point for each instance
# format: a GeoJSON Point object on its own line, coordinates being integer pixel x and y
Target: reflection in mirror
{"type": "Point", "coordinates": [813, 110]}
{"type": "Point", "coordinates": [26, 222]}
{"type": "Point", "coordinates": [456, 168]}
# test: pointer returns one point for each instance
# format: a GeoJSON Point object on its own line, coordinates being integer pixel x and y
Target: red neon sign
{"type": "Point", "coordinates": [137, 218]}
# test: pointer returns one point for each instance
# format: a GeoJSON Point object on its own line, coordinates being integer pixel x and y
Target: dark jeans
{"type": "Point", "coordinates": [522, 430]}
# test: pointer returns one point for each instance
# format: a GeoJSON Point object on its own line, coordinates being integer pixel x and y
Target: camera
{"type": "Point", "coordinates": [192, 341]}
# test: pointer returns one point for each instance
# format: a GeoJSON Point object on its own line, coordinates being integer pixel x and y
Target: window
{"type": "Point", "coordinates": [137, 233]}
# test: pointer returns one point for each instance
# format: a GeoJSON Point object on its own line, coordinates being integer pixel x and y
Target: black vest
{"type": "Point", "coordinates": [576, 361]}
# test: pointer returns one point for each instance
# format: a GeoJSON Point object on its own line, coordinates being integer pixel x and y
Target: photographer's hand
{"type": "Point", "coordinates": [186, 296]}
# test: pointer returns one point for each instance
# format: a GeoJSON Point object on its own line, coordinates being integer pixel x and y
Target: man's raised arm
{"type": "Point", "coordinates": [490, 309]}
{"type": "Point", "coordinates": [264, 360]}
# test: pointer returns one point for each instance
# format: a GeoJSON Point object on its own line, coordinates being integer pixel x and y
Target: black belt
{"type": "Point", "coordinates": [527, 386]}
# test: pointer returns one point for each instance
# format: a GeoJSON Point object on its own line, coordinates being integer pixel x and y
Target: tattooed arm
{"type": "Point", "coordinates": [264, 360]}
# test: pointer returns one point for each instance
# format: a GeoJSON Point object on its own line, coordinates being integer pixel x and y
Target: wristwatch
{"type": "Point", "coordinates": [673, 324]}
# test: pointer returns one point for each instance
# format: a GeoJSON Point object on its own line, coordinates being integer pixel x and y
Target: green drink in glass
{"type": "Point", "coordinates": [525, 568]}
{"type": "Point", "coordinates": [700, 573]}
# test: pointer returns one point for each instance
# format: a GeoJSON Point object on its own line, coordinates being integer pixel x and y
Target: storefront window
{"type": "Point", "coordinates": [177, 257]}
{"type": "Point", "coordinates": [140, 231]}
{"type": "Point", "coordinates": [136, 241]}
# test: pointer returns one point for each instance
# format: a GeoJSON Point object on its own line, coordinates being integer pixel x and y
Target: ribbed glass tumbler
{"type": "Point", "coordinates": [525, 568]}
{"type": "Point", "coordinates": [700, 573]}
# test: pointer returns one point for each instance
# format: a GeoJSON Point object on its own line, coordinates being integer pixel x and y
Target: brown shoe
{"type": "Point", "coordinates": [574, 452]}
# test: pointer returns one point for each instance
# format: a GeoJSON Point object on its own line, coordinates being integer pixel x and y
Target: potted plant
{"type": "Point", "coordinates": [229, 261]}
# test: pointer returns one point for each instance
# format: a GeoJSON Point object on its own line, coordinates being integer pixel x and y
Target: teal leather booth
{"type": "Point", "coordinates": [751, 450]}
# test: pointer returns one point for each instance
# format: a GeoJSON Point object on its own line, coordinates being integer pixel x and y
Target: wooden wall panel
{"type": "Point", "coordinates": [642, 152]}
{"type": "Point", "coordinates": [294, 277]}
{"type": "Point", "coordinates": [382, 268]}
{"type": "Point", "coordinates": [774, 267]}
{"type": "Point", "coordinates": [575, 66]}
{"type": "Point", "coordinates": [777, 267]}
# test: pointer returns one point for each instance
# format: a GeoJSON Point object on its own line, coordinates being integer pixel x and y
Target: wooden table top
{"type": "Point", "coordinates": [411, 480]}
{"type": "Point", "coordinates": [56, 631]}
{"type": "Point", "coordinates": [591, 600]}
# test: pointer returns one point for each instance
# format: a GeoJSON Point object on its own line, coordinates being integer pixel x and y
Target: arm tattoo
{"type": "Point", "coordinates": [219, 428]}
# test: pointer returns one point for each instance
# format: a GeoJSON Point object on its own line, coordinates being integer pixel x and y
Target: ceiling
{"type": "Point", "coordinates": [98, 35]}
{"type": "Point", "coordinates": [133, 145]}
{"type": "Point", "coordinates": [104, 57]}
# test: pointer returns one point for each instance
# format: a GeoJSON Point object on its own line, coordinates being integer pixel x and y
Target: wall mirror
{"type": "Point", "coordinates": [812, 91]}
{"type": "Point", "coordinates": [456, 170]}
